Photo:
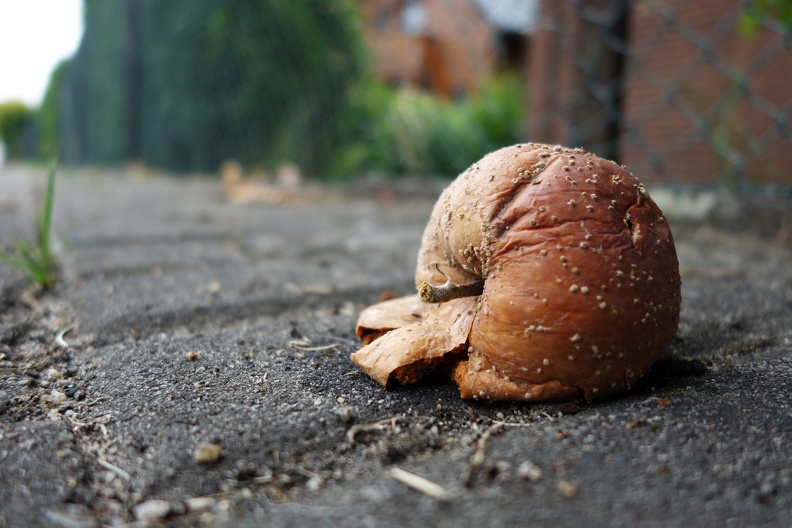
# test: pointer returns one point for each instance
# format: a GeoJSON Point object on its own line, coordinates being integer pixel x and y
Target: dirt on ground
{"type": "Point", "coordinates": [191, 368]}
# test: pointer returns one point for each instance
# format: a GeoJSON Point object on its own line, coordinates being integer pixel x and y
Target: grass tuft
{"type": "Point", "coordinates": [36, 258]}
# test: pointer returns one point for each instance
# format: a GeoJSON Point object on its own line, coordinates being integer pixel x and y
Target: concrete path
{"type": "Point", "coordinates": [207, 379]}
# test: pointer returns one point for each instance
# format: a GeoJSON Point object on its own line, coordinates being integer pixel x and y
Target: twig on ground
{"type": "Point", "coordinates": [479, 456]}
{"type": "Point", "coordinates": [59, 341]}
{"type": "Point", "coordinates": [376, 426]}
{"type": "Point", "coordinates": [117, 470]}
{"type": "Point", "coordinates": [322, 348]}
{"type": "Point", "coordinates": [512, 424]}
{"type": "Point", "coordinates": [420, 484]}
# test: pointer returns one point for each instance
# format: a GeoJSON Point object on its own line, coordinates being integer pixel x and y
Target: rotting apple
{"type": "Point", "coordinates": [544, 272]}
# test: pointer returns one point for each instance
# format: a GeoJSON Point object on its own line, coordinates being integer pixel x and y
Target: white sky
{"type": "Point", "coordinates": [34, 36]}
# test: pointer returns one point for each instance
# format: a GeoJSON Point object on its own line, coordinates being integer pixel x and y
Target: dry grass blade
{"type": "Point", "coordinates": [478, 458]}
{"type": "Point", "coordinates": [376, 426]}
{"type": "Point", "coordinates": [117, 470]}
{"type": "Point", "coordinates": [322, 348]}
{"type": "Point", "coordinates": [59, 334]}
{"type": "Point", "coordinates": [427, 487]}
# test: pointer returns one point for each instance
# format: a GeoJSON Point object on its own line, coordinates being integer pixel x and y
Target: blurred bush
{"type": "Point", "coordinates": [264, 82]}
{"type": "Point", "coordinates": [48, 118]}
{"type": "Point", "coordinates": [753, 12]}
{"type": "Point", "coordinates": [187, 85]}
{"type": "Point", "coordinates": [15, 117]}
{"type": "Point", "coordinates": [408, 131]}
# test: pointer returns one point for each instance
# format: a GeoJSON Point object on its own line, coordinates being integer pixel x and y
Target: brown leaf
{"type": "Point", "coordinates": [409, 351]}
{"type": "Point", "coordinates": [383, 317]}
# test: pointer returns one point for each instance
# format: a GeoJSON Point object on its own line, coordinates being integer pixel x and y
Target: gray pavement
{"type": "Point", "coordinates": [207, 379]}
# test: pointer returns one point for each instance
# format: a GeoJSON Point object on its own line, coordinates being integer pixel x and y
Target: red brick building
{"type": "Point", "coordinates": [446, 46]}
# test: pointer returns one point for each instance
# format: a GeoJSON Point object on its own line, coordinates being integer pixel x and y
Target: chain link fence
{"type": "Point", "coordinates": [688, 91]}
{"type": "Point", "coordinates": [681, 91]}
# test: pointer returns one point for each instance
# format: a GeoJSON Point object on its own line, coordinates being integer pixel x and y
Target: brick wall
{"type": "Point", "coordinates": [701, 103]}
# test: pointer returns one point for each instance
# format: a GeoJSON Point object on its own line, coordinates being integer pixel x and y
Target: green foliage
{"type": "Point", "coordinates": [36, 258]}
{"type": "Point", "coordinates": [49, 114]}
{"type": "Point", "coordinates": [756, 10]}
{"type": "Point", "coordinates": [295, 118]}
{"type": "Point", "coordinates": [417, 133]}
{"type": "Point", "coordinates": [96, 86]}
{"type": "Point", "coordinates": [185, 85]}
{"type": "Point", "coordinates": [14, 118]}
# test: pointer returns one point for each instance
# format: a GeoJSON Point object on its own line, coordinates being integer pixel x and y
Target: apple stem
{"type": "Point", "coordinates": [447, 291]}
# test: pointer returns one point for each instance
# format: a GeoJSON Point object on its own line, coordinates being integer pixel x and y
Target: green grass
{"type": "Point", "coordinates": [36, 258]}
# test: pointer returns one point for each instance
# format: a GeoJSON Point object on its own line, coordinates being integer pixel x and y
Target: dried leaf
{"type": "Point", "coordinates": [388, 315]}
{"type": "Point", "coordinates": [409, 351]}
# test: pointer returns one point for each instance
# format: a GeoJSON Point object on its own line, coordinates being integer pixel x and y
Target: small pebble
{"type": "Point", "coordinates": [54, 398]}
{"type": "Point", "coordinates": [530, 471]}
{"type": "Point", "coordinates": [567, 489]}
{"type": "Point", "coordinates": [200, 504]}
{"type": "Point", "coordinates": [152, 510]}
{"type": "Point", "coordinates": [207, 453]}
{"type": "Point", "coordinates": [345, 413]}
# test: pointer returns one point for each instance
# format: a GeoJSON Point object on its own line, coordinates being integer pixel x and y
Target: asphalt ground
{"type": "Point", "coordinates": [205, 379]}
